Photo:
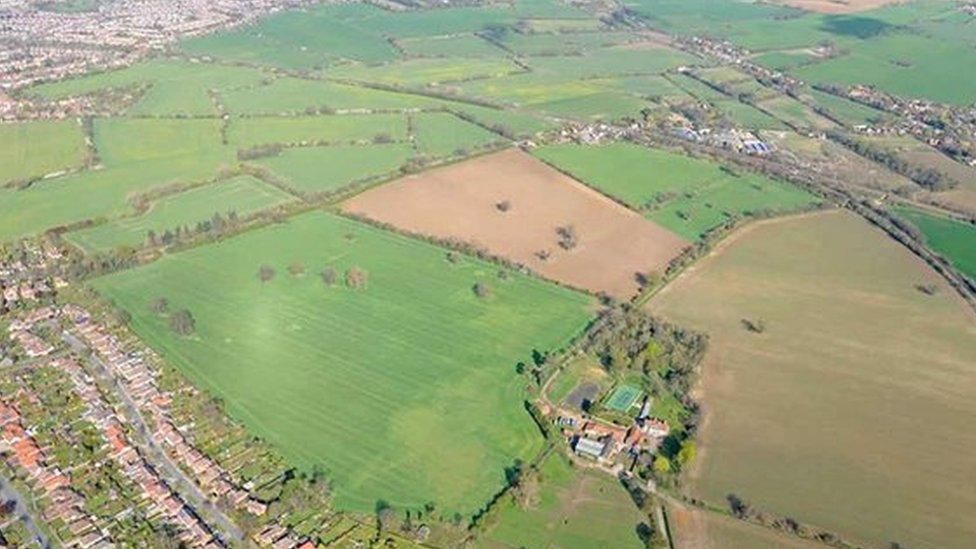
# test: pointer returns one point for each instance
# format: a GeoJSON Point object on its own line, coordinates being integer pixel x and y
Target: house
{"type": "Point", "coordinates": [591, 448]}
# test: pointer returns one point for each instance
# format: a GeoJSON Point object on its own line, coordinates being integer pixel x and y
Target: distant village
{"type": "Point", "coordinates": [43, 44]}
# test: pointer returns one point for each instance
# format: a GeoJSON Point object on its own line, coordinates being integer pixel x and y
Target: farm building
{"type": "Point", "coordinates": [590, 448]}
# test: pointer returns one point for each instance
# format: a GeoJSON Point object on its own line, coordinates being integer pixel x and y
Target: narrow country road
{"type": "Point", "coordinates": [166, 467]}
{"type": "Point", "coordinates": [22, 511]}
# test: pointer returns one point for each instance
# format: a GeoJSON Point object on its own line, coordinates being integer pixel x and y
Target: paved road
{"type": "Point", "coordinates": [166, 467]}
{"type": "Point", "coordinates": [22, 511]}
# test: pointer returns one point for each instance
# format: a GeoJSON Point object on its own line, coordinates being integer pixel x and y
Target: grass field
{"type": "Point", "coordinates": [249, 132]}
{"type": "Point", "coordinates": [683, 194]}
{"type": "Point", "coordinates": [403, 391]}
{"type": "Point", "coordinates": [138, 155]}
{"type": "Point", "coordinates": [954, 240]}
{"type": "Point", "coordinates": [243, 195]}
{"type": "Point", "coordinates": [444, 134]}
{"type": "Point", "coordinates": [576, 509]}
{"type": "Point", "coordinates": [293, 40]}
{"type": "Point", "coordinates": [176, 87]}
{"type": "Point", "coordinates": [29, 150]}
{"type": "Point", "coordinates": [424, 72]}
{"type": "Point", "coordinates": [875, 377]}
{"type": "Point", "coordinates": [296, 95]}
{"type": "Point", "coordinates": [323, 169]}
{"type": "Point", "coordinates": [461, 45]}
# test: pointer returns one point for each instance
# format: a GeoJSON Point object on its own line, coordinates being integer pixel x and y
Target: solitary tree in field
{"type": "Point", "coordinates": [296, 268]}
{"type": "Point", "coordinates": [568, 239]}
{"type": "Point", "coordinates": [356, 278]}
{"type": "Point", "coordinates": [756, 326]}
{"type": "Point", "coordinates": [482, 290]}
{"type": "Point", "coordinates": [504, 206]}
{"type": "Point", "coordinates": [330, 276]}
{"type": "Point", "coordinates": [160, 305]}
{"type": "Point", "coordinates": [266, 273]}
{"type": "Point", "coordinates": [183, 323]}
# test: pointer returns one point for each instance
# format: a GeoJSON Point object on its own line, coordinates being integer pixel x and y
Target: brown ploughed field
{"type": "Point", "coordinates": [514, 206]}
{"type": "Point", "coordinates": [835, 6]}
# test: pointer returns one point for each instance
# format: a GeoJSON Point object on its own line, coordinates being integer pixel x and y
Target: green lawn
{"type": "Point", "coordinates": [954, 240]}
{"type": "Point", "coordinates": [249, 132]}
{"type": "Point", "coordinates": [576, 509]}
{"type": "Point", "coordinates": [404, 391]}
{"type": "Point", "coordinates": [243, 195]}
{"type": "Point", "coordinates": [323, 169]}
{"type": "Point", "coordinates": [30, 150]}
{"type": "Point", "coordinates": [443, 134]}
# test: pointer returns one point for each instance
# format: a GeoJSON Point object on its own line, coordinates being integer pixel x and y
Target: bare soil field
{"type": "Point", "coordinates": [835, 6]}
{"type": "Point", "coordinates": [691, 527]}
{"type": "Point", "coordinates": [515, 206]}
{"type": "Point", "coordinates": [850, 409]}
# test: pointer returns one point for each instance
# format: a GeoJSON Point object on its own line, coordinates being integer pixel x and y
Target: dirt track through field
{"type": "Point", "coordinates": [461, 201]}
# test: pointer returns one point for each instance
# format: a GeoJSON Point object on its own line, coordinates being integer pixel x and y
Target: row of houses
{"type": "Point", "coordinates": [160, 498]}
{"type": "Point", "coordinates": [139, 380]}
{"type": "Point", "coordinates": [49, 481]}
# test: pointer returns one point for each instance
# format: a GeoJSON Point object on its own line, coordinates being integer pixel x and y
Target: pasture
{"type": "Point", "coordinates": [402, 389]}
{"type": "Point", "coordinates": [30, 150]}
{"type": "Point", "coordinates": [242, 195]}
{"type": "Point", "coordinates": [875, 376]}
{"type": "Point", "coordinates": [685, 195]}
{"type": "Point", "coordinates": [138, 155]}
{"type": "Point", "coordinates": [314, 170]}
{"type": "Point", "coordinates": [576, 508]}
{"type": "Point", "coordinates": [174, 87]}
{"type": "Point", "coordinates": [519, 208]}
{"type": "Point", "coordinates": [954, 240]}
{"type": "Point", "coordinates": [298, 95]}
{"type": "Point", "coordinates": [250, 132]}
{"type": "Point", "coordinates": [461, 45]}
{"type": "Point", "coordinates": [444, 134]}
{"type": "Point", "coordinates": [429, 72]}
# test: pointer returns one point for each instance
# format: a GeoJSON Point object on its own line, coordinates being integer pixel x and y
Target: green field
{"type": "Point", "coordinates": [404, 391]}
{"type": "Point", "coordinates": [243, 195]}
{"type": "Point", "coordinates": [954, 240]}
{"type": "Point", "coordinates": [686, 195]}
{"type": "Point", "coordinates": [293, 40]}
{"type": "Point", "coordinates": [426, 72]}
{"type": "Point", "coordinates": [861, 362]}
{"type": "Point", "coordinates": [138, 155]}
{"type": "Point", "coordinates": [297, 95]}
{"type": "Point", "coordinates": [30, 150]}
{"type": "Point", "coordinates": [442, 134]}
{"type": "Point", "coordinates": [462, 45]}
{"type": "Point", "coordinates": [575, 509]}
{"type": "Point", "coordinates": [324, 169]}
{"type": "Point", "coordinates": [623, 397]}
{"type": "Point", "coordinates": [175, 87]}
{"type": "Point", "coordinates": [249, 132]}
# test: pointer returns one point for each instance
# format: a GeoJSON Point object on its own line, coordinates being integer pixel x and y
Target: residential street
{"type": "Point", "coordinates": [164, 465]}
{"type": "Point", "coordinates": [22, 511]}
